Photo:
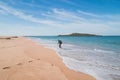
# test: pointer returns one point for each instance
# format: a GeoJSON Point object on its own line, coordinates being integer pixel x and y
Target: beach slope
{"type": "Point", "coordinates": [23, 59]}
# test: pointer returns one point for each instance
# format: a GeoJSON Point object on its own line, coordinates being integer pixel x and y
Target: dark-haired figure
{"type": "Point", "coordinates": [60, 43]}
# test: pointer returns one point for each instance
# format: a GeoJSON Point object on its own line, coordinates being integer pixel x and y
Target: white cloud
{"type": "Point", "coordinates": [67, 15]}
{"type": "Point", "coordinates": [107, 17]}
{"type": "Point", "coordinates": [63, 16]}
{"type": "Point", "coordinates": [89, 14]}
{"type": "Point", "coordinates": [68, 20]}
{"type": "Point", "coordinates": [2, 12]}
{"type": "Point", "coordinates": [24, 16]}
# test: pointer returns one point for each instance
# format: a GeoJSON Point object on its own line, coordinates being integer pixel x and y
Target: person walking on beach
{"type": "Point", "coordinates": [60, 43]}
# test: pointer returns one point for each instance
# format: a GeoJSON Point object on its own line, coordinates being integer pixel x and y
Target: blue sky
{"type": "Point", "coordinates": [53, 17]}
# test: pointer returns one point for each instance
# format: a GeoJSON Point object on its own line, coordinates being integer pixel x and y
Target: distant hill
{"type": "Point", "coordinates": [79, 34]}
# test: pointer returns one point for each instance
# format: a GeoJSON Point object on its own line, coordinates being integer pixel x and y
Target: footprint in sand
{"type": "Point", "coordinates": [38, 59]}
{"type": "Point", "coordinates": [6, 67]}
{"type": "Point", "coordinates": [52, 64]}
{"type": "Point", "coordinates": [30, 61]}
{"type": "Point", "coordinates": [19, 64]}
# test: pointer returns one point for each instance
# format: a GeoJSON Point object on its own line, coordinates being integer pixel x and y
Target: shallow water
{"type": "Point", "coordinates": [97, 56]}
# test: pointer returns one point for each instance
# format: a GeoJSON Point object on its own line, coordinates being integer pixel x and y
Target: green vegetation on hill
{"type": "Point", "coordinates": [79, 34]}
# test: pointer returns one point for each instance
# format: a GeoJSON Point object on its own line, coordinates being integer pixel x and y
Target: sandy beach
{"type": "Point", "coordinates": [23, 59]}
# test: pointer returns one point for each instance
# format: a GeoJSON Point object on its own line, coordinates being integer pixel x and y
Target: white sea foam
{"type": "Point", "coordinates": [101, 64]}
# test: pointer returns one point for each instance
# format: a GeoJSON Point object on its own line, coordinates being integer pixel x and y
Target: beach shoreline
{"type": "Point", "coordinates": [22, 58]}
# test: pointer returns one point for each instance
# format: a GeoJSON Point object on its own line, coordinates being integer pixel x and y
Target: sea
{"type": "Point", "coordinates": [98, 56]}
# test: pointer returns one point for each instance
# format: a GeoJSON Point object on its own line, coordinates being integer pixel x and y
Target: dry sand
{"type": "Point", "coordinates": [23, 59]}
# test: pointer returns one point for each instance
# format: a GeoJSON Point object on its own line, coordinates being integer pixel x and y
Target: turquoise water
{"type": "Point", "coordinates": [97, 56]}
{"type": "Point", "coordinates": [108, 42]}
